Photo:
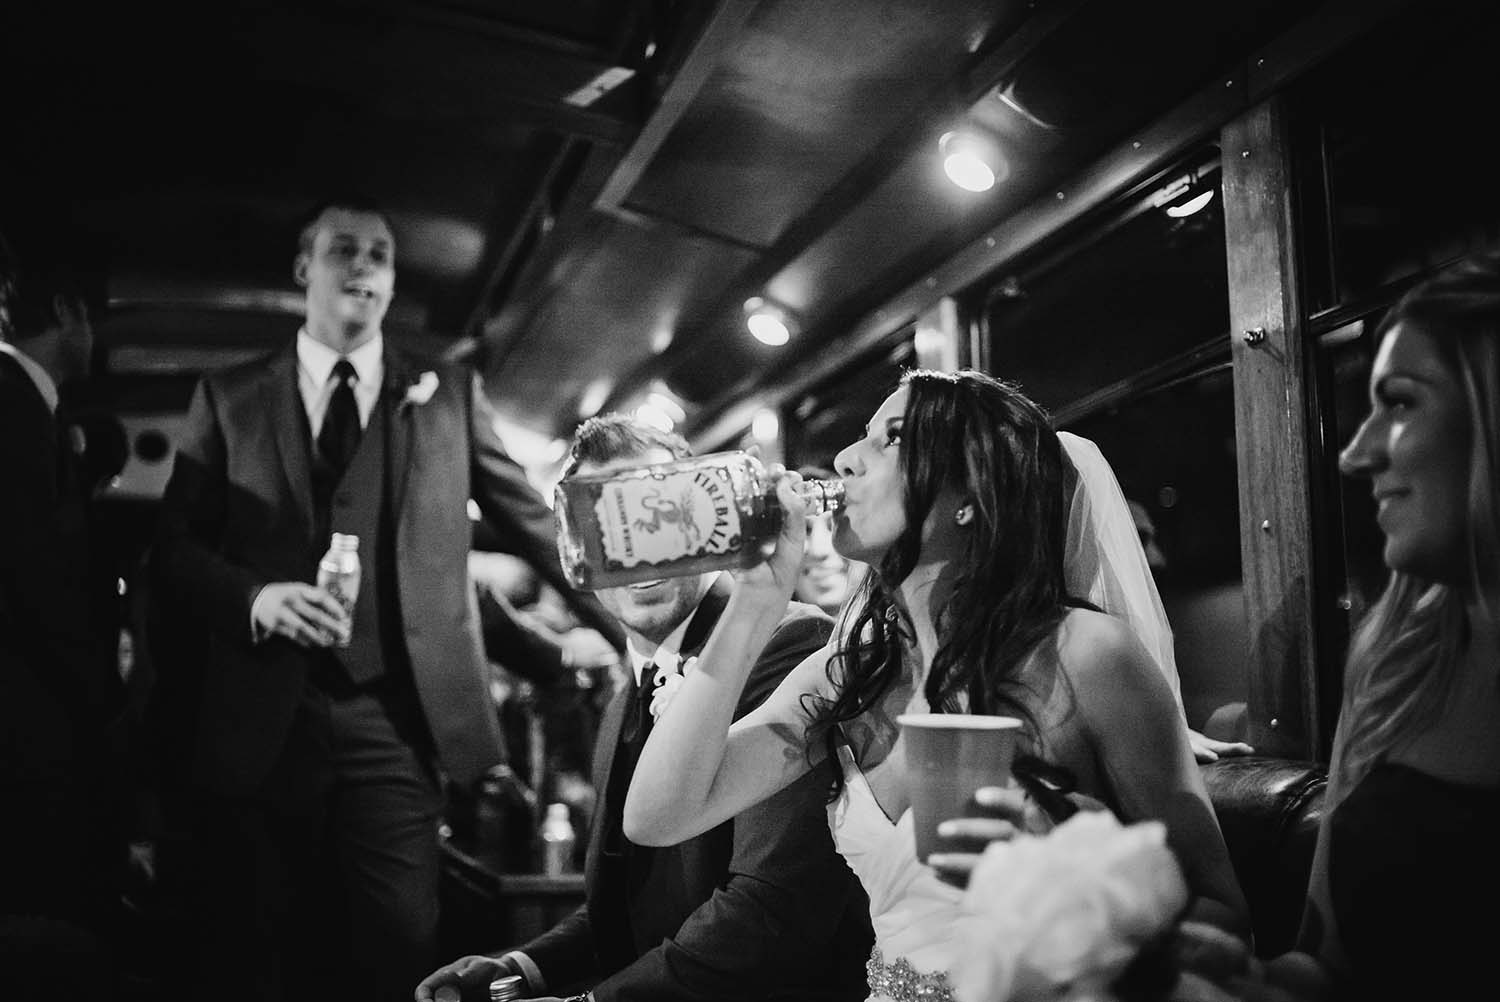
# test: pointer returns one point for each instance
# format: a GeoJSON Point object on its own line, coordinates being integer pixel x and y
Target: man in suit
{"type": "Point", "coordinates": [61, 699]}
{"type": "Point", "coordinates": [323, 742]}
{"type": "Point", "coordinates": [761, 907]}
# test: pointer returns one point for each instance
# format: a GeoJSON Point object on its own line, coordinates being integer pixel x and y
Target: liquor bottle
{"type": "Point", "coordinates": [338, 573]}
{"type": "Point", "coordinates": [558, 840]}
{"type": "Point", "coordinates": [691, 516]}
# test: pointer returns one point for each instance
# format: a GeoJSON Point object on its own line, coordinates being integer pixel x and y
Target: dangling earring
{"type": "Point", "coordinates": [964, 515]}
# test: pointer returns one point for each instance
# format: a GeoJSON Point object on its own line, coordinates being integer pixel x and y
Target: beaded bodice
{"type": "Point", "coordinates": [913, 912]}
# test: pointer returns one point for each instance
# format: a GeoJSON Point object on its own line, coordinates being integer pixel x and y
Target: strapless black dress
{"type": "Point", "coordinates": [1414, 877]}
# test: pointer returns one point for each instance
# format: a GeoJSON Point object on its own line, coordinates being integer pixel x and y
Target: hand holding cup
{"type": "Point", "coordinates": [997, 814]}
{"type": "Point", "coordinates": [948, 757]}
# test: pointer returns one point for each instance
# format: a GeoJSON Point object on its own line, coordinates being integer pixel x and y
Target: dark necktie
{"type": "Point", "coordinates": [638, 718]}
{"type": "Point", "coordinates": [634, 729]}
{"type": "Point", "coordinates": [339, 436]}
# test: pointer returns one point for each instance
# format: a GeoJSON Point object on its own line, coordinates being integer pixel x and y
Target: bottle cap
{"type": "Point", "coordinates": [508, 987]}
{"type": "Point", "coordinates": [346, 539]}
{"type": "Point", "coordinates": [557, 812]}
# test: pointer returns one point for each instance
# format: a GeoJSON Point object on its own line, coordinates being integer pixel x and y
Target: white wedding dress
{"type": "Point", "coordinates": [915, 914]}
{"type": "Point", "coordinates": [918, 919]}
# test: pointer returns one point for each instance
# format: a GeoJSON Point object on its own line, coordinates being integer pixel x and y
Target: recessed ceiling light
{"type": "Point", "coordinates": [1191, 206]}
{"type": "Point", "coordinates": [663, 401]}
{"type": "Point", "coordinates": [655, 417]}
{"type": "Point", "coordinates": [766, 425]}
{"type": "Point", "coordinates": [971, 162]}
{"type": "Point", "coordinates": [593, 397]}
{"type": "Point", "coordinates": [768, 328]}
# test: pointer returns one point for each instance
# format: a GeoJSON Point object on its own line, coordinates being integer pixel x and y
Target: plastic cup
{"type": "Point", "coordinates": [948, 757]}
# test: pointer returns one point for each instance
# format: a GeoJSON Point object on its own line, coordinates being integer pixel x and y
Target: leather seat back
{"type": "Point", "coordinates": [1269, 810]}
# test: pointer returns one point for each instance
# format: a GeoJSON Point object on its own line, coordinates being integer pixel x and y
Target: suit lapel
{"type": "Point", "coordinates": [606, 757]}
{"type": "Point", "coordinates": [610, 725]}
{"type": "Point", "coordinates": [289, 428]}
{"type": "Point", "coordinates": [398, 425]}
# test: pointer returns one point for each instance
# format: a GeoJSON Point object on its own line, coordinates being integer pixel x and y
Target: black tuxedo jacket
{"type": "Point", "coordinates": [64, 738]}
{"type": "Point", "coordinates": [49, 650]}
{"type": "Point", "coordinates": [761, 907]}
{"type": "Point", "coordinates": [238, 514]}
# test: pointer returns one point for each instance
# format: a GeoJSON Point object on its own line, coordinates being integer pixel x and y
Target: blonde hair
{"type": "Point", "coordinates": [1405, 655]}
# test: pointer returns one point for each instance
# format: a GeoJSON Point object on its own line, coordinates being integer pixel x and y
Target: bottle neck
{"type": "Point", "coordinates": [821, 496]}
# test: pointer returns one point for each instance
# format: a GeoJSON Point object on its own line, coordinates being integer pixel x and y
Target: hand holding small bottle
{"type": "Point", "coordinates": [466, 977]}
{"type": "Point", "coordinates": [305, 614]}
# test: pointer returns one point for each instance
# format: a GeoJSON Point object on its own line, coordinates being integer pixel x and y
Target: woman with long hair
{"type": "Point", "coordinates": [1413, 809]}
{"type": "Point", "coordinates": [956, 500]}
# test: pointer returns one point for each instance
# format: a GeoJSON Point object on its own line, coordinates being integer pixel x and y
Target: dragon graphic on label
{"type": "Point", "coordinates": [666, 511]}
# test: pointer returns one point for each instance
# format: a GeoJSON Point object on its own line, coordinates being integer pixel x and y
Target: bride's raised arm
{"type": "Point", "coordinates": [700, 767]}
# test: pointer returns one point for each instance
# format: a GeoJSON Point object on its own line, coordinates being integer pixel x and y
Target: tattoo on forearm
{"type": "Point", "coordinates": [794, 738]}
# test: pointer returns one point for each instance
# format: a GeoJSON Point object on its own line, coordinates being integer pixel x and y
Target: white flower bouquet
{"type": "Point", "coordinates": [1062, 916]}
{"type": "Point", "coordinates": [1094, 912]}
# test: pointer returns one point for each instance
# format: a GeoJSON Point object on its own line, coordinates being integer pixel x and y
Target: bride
{"type": "Point", "coordinates": [956, 499]}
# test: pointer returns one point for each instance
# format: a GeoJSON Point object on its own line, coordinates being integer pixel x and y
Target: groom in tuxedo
{"type": "Point", "coordinates": [323, 743]}
{"type": "Point", "coordinates": [761, 907]}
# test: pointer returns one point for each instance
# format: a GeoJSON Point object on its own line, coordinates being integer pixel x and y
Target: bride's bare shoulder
{"type": "Point", "coordinates": [1091, 643]}
{"type": "Point", "coordinates": [1088, 626]}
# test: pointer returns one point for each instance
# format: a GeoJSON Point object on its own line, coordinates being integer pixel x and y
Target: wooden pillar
{"type": "Point", "coordinates": [1271, 388]}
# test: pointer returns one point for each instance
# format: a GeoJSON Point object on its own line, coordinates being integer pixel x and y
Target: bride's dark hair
{"type": "Point", "coordinates": [985, 439]}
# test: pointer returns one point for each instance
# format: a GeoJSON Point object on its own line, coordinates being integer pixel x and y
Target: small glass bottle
{"type": "Point", "coordinates": [558, 840]}
{"type": "Point", "coordinates": [691, 516]}
{"type": "Point", "coordinates": [512, 986]}
{"type": "Point", "coordinates": [338, 573]}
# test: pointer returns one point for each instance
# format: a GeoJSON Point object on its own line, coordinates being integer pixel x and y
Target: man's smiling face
{"type": "Point", "coordinates": [349, 272]}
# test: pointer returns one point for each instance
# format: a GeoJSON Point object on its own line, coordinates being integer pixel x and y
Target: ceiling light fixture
{"type": "Point", "coordinates": [593, 397]}
{"type": "Point", "coordinates": [971, 161]}
{"type": "Point", "coordinates": [767, 322]}
{"type": "Point", "coordinates": [662, 400]}
{"type": "Point", "coordinates": [768, 328]}
{"type": "Point", "coordinates": [1183, 195]}
{"type": "Point", "coordinates": [655, 417]}
{"type": "Point", "coordinates": [766, 425]}
{"type": "Point", "coordinates": [1190, 206]}
{"type": "Point", "coordinates": [602, 84]}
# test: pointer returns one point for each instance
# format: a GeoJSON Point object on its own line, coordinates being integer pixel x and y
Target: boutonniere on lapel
{"type": "Point", "coordinates": [415, 390]}
{"type": "Point", "coordinates": [667, 684]}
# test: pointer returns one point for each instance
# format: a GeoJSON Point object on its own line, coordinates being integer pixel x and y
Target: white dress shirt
{"type": "Point", "coordinates": [667, 655]}
{"type": "Point", "coordinates": [315, 362]}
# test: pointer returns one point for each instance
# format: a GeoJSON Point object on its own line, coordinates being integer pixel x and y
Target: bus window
{"type": "Point", "coordinates": [1140, 289]}
{"type": "Point", "coordinates": [1173, 450]}
{"type": "Point", "coordinates": [1407, 177]}
{"type": "Point", "coordinates": [1121, 335]}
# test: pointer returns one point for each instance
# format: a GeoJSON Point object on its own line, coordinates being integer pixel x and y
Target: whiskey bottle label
{"type": "Point", "coordinates": [668, 517]}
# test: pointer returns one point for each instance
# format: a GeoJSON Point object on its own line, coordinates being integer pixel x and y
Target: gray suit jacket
{"type": "Point", "coordinates": [238, 514]}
